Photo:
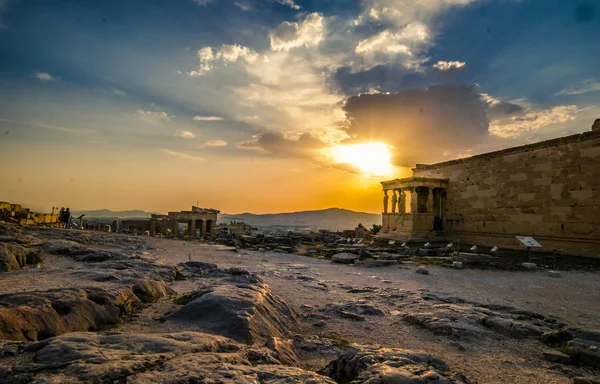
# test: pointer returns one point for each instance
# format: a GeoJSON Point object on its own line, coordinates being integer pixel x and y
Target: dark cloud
{"type": "Point", "coordinates": [422, 124]}
{"type": "Point", "coordinates": [503, 109]}
{"type": "Point", "coordinates": [390, 78]}
{"type": "Point", "coordinates": [277, 144]}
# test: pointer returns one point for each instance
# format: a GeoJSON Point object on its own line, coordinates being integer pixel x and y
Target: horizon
{"type": "Point", "coordinates": [277, 106]}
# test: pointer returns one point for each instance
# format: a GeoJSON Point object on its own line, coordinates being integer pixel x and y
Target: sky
{"type": "Point", "coordinates": [277, 105]}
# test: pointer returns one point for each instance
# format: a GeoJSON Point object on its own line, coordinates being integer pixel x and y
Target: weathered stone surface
{"type": "Point", "coordinates": [386, 365]}
{"type": "Point", "coordinates": [584, 351]}
{"type": "Point", "coordinates": [422, 271]}
{"type": "Point", "coordinates": [246, 310]}
{"type": "Point", "coordinates": [586, 380]}
{"type": "Point", "coordinates": [344, 258]}
{"type": "Point", "coordinates": [189, 357]}
{"type": "Point", "coordinates": [513, 328]}
{"type": "Point", "coordinates": [12, 256]}
{"type": "Point", "coordinates": [42, 314]}
{"type": "Point", "coordinates": [556, 357]}
{"type": "Point", "coordinates": [377, 263]}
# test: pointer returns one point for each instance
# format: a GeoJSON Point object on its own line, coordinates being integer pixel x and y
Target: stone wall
{"type": "Point", "coordinates": [549, 190]}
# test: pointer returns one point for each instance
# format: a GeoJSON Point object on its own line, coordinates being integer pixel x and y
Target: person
{"type": "Point", "coordinates": [67, 217]}
{"type": "Point", "coordinates": [61, 216]}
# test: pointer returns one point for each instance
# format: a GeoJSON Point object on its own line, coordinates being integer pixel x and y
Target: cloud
{"type": "Point", "coordinates": [228, 53]}
{"type": "Point", "coordinates": [532, 120]}
{"type": "Point", "coordinates": [50, 126]}
{"type": "Point", "coordinates": [182, 155]}
{"type": "Point", "coordinates": [187, 134]}
{"type": "Point", "coordinates": [244, 5]}
{"type": "Point", "coordinates": [585, 86]}
{"type": "Point", "coordinates": [203, 2]}
{"type": "Point", "coordinates": [448, 66]}
{"type": "Point", "coordinates": [391, 43]}
{"type": "Point", "coordinates": [420, 124]}
{"type": "Point", "coordinates": [215, 143]}
{"type": "Point", "coordinates": [290, 35]}
{"type": "Point", "coordinates": [208, 118]}
{"type": "Point", "coordinates": [275, 143]}
{"type": "Point", "coordinates": [152, 117]}
{"type": "Point", "coordinates": [289, 3]}
{"type": "Point", "coordinates": [44, 77]}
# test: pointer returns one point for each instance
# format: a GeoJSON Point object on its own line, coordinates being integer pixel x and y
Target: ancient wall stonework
{"type": "Point", "coordinates": [549, 190]}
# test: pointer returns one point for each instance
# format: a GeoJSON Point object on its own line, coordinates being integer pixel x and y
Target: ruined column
{"type": "Point", "coordinates": [394, 201]}
{"type": "Point", "coordinates": [414, 200]}
{"type": "Point", "coordinates": [430, 200]}
{"type": "Point", "coordinates": [192, 228]}
{"type": "Point", "coordinates": [385, 201]}
{"type": "Point", "coordinates": [203, 228]}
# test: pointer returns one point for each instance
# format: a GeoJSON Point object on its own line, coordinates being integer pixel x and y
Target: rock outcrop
{"type": "Point", "coordinates": [187, 357]}
{"type": "Point", "coordinates": [243, 308]}
{"type": "Point", "coordinates": [370, 365]}
{"type": "Point", "coordinates": [42, 314]}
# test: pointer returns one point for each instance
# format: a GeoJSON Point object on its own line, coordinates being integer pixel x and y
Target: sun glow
{"type": "Point", "coordinates": [372, 159]}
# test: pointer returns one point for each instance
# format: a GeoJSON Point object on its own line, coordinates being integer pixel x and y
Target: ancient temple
{"type": "Point", "coordinates": [413, 207]}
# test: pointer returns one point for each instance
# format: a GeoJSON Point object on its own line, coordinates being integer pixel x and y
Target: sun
{"type": "Point", "coordinates": [372, 159]}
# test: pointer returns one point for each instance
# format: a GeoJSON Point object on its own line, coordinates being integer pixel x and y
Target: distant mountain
{"type": "Point", "coordinates": [106, 213]}
{"type": "Point", "coordinates": [334, 219]}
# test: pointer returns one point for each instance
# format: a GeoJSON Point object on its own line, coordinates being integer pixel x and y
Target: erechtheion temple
{"type": "Point", "coordinates": [550, 190]}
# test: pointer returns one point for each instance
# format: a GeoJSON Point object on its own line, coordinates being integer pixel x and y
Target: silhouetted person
{"type": "Point", "coordinates": [66, 218]}
{"type": "Point", "coordinates": [61, 216]}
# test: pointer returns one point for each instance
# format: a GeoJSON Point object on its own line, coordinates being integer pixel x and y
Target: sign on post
{"type": "Point", "coordinates": [529, 241]}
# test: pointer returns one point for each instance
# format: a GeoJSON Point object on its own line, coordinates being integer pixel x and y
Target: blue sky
{"type": "Point", "coordinates": [250, 88]}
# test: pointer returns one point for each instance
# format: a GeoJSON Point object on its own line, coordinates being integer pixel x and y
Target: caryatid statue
{"type": "Point", "coordinates": [394, 201]}
{"type": "Point", "coordinates": [385, 201]}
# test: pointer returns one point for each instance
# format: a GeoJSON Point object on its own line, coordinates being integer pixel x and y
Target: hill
{"type": "Point", "coordinates": [332, 219]}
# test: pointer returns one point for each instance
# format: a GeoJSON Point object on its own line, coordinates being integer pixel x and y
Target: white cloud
{"type": "Point", "coordinates": [118, 92]}
{"type": "Point", "coordinates": [215, 143]}
{"type": "Point", "coordinates": [244, 5]}
{"type": "Point", "coordinates": [289, 3]}
{"type": "Point", "coordinates": [234, 52]}
{"type": "Point", "coordinates": [532, 120]}
{"type": "Point", "coordinates": [152, 117]}
{"type": "Point", "coordinates": [226, 54]}
{"type": "Point", "coordinates": [187, 134]}
{"type": "Point", "coordinates": [208, 118]}
{"type": "Point", "coordinates": [306, 33]}
{"type": "Point", "coordinates": [585, 86]}
{"type": "Point", "coordinates": [182, 155]}
{"type": "Point", "coordinates": [203, 2]}
{"type": "Point", "coordinates": [44, 77]}
{"type": "Point", "coordinates": [445, 66]}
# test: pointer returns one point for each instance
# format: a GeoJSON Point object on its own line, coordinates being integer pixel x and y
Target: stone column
{"type": "Point", "coordinates": [192, 228]}
{"type": "Point", "coordinates": [203, 228]}
{"type": "Point", "coordinates": [414, 200]}
{"type": "Point", "coordinates": [394, 201]}
{"type": "Point", "coordinates": [430, 201]}
{"type": "Point", "coordinates": [385, 201]}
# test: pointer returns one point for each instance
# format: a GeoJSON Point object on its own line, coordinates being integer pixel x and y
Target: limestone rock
{"type": "Point", "coordinates": [160, 358]}
{"type": "Point", "coordinates": [556, 357]}
{"type": "Point", "coordinates": [422, 271]}
{"type": "Point", "coordinates": [513, 328]}
{"type": "Point", "coordinates": [584, 351]}
{"type": "Point", "coordinates": [12, 257]}
{"type": "Point", "coordinates": [457, 264]}
{"type": "Point", "coordinates": [247, 311]}
{"type": "Point", "coordinates": [367, 365]}
{"type": "Point", "coordinates": [554, 274]}
{"type": "Point", "coordinates": [344, 258]}
{"type": "Point", "coordinates": [42, 314]}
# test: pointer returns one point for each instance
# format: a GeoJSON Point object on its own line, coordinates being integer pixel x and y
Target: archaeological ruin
{"type": "Point", "coordinates": [549, 190]}
{"type": "Point", "coordinates": [199, 222]}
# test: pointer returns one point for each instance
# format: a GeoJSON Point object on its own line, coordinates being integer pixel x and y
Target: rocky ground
{"type": "Point", "coordinates": [78, 306]}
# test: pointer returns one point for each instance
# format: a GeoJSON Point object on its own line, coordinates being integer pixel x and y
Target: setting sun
{"type": "Point", "coordinates": [373, 159]}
